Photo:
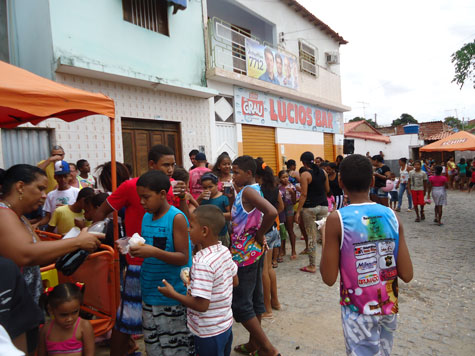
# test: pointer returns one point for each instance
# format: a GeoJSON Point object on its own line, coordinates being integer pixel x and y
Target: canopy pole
{"type": "Point", "coordinates": [116, 216]}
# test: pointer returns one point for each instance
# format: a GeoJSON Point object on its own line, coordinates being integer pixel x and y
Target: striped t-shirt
{"type": "Point", "coordinates": [211, 276]}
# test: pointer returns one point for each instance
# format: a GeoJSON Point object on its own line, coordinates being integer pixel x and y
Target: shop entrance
{"type": "Point", "coordinates": [259, 141]}
{"type": "Point", "coordinates": [138, 136]}
{"type": "Point", "coordinates": [328, 148]}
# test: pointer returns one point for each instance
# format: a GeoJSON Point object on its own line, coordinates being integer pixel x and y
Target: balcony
{"type": "Point", "coordinates": [237, 57]}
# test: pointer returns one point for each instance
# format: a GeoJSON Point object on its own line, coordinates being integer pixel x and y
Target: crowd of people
{"type": "Point", "coordinates": [213, 238]}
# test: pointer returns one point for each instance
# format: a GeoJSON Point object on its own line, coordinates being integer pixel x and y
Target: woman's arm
{"type": "Point", "coordinates": [280, 202]}
{"type": "Point", "coordinates": [305, 180]}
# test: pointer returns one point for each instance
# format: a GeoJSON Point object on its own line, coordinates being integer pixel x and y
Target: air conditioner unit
{"type": "Point", "coordinates": [332, 58]}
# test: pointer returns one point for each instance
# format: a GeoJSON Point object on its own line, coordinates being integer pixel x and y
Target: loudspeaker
{"type": "Point", "coordinates": [348, 146]}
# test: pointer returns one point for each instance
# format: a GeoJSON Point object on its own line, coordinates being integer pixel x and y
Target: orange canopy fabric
{"type": "Point", "coordinates": [27, 97]}
{"type": "Point", "coordinates": [460, 141]}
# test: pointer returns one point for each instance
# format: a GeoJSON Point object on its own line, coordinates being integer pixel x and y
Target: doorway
{"type": "Point", "coordinates": [138, 136]}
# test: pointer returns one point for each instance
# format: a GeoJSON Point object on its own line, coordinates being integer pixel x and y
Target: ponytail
{"type": "Point", "coordinates": [266, 173]}
{"type": "Point", "coordinates": [64, 292]}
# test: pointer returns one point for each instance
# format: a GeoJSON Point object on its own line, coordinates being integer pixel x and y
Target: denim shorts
{"type": "Point", "coordinates": [248, 296]}
{"type": "Point", "coordinates": [273, 238]}
{"type": "Point", "coordinates": [218, 345]}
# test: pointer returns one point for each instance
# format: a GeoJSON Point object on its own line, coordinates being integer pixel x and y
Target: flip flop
{"type": "Point", "coordinates": [293, 257]}
{"type": "Point", "coordinates": [304, 252]}
{"type": "Point", "coordinates": [417, 220]}
{"type": "Point", "coordinates": [242, 349]}
{"type": "Point", "coordinates": [275, 265]}
{"type": "Point", "coordinates": [280, 260]}
{"type": "Point", "coordinates": [305, 269]}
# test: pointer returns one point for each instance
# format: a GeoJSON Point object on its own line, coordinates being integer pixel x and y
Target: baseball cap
{"type": "Point", "coordinates": [200, 157]}
{"type": "Point", "coordinates": [61, 168]}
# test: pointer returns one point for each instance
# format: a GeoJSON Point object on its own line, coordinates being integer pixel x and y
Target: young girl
{"type": "Point", "coordinates": [212, 196]}
{"type": "Point", "coordinates": [222, 170]}
{"type": "Point", "coordinates": [438, 186]}
{"type": "Point", "coordinates": [288, 193]}
{"type": "Point", "coordinates": [66, 332]}
{"type": "Point", "coordinates": [462, 169]}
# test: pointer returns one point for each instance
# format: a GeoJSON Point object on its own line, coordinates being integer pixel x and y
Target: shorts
{"type": "Point", "coordinates": [165, 330]}
{"type": "Point", "coordinates": [289, 211]}
{"type": "Point", "coordinates": [418, 197]}
{"type": "Point", "coordinates": [129, 313]}
{"type": "Point", "coordinates": [218, 345]}
{"type": "Point", "coordinates": [248, 296]}
{"type": "Point", "coordinates": [368, 335]}
{"type": "Point", "coordinates": [394, 195]}
{"type": "Point", "coordinates": [379, 192]}
{"type": "Point", "coordinates": [225, 239]}
{"type": "Point", "coordinates": [471, 184]}
{"type": "Point", "coordinates": [273, 238]}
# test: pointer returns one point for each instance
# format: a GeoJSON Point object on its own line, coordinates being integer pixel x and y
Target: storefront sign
{"type": "Point", "coordinates": [257, 108]}
{"type": "Point", "coordinates": [266, 63]}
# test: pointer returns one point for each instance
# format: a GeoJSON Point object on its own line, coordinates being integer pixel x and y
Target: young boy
{"type": "Point", "coordinates": [394, 193]}
{"type": "Point", "coordinates": [166, 251]}
{"type": "Point", "coordinates": [64, 194]}
{"type": "Point", "coordinates": [251, 217]}
{"type": "Point", "coordinates": [213, 275]}
{"type": "Point", "coordinates": [63, 217]}
{"type": "Point", "coordinates": [417, 186]}
{"type": "Point", "coordinates": [85, 177]}
{"type": "Point", "coordinates": [195, 175]}
{"type": "Point", "coordinates": [365, 242]}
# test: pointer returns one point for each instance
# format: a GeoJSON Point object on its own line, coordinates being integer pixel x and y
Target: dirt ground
{"type": "Point", "coordinates": [436, 309]}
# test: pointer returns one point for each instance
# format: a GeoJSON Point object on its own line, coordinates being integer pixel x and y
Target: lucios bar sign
{"type": "Point", "coordinates": [257, 108]}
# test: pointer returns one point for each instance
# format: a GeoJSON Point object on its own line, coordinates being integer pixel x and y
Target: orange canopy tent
{"type": "Point", "coordinates": [460, 141]}
{"type": "Point", "coordinates": [26, 97]}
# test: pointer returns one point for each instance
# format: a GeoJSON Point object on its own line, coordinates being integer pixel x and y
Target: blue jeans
{"type": "Point", "coordinates": [219, 345]}
{"type": "Point", "coordinates": [402, 189]}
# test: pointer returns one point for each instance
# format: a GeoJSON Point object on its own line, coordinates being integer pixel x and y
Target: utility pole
{"type": "Point", "coordinates": [376, 119]}
{"type": "Point", "coordinates": [363, 104]}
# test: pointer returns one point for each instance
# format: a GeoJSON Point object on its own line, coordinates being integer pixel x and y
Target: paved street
{"type": "Point", "coordinates": [437, 314]}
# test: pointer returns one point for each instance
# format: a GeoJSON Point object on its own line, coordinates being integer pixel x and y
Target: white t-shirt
{"type": "Point", "coordinates": [395, 181]}
{"type": "Point", "coordinates": [60, 197]}
{"type": "Point", "coordinates": [211, 277]}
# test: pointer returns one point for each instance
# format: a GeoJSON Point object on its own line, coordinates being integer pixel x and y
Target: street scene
{"type": "Point", "coordinates": [236, 177]}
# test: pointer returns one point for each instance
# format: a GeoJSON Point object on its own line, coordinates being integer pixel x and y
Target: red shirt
{"type": "Point", "coordinates": [438, 181]}
{"type": "Point", "coordinates": [126, 196]}
{"type": "Point", "coordinates": [195, 181]}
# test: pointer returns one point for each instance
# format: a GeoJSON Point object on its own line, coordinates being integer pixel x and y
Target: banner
{"type": "Point", "coordinates": [257, 108]}
{"type": "Point", "coordinates": [270, 65]}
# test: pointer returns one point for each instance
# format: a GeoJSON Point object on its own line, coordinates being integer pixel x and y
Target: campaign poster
{"type": "Point", "coordinates": [268, 64]}
{"type": "Point", "coordinates": [257, 108]}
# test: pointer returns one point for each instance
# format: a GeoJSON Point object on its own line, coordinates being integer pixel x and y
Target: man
{"type": "Point", "coordinates": [57, 154]}
{"type": "Point", "coordinates": [192, 155]}
{"type": "Point", "coordinates": [129, 314]}
{"type": "Point", "coordinates": [278, 65]}
{"type": "Point", "coordinates": [269, 76]}
{"type": "Point", "coordinates": [288, 80]}
{"type": "Point", "coordinates": [195, 175]}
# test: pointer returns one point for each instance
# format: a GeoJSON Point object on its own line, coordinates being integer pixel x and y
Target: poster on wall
{"type": "Point", "coordinates": [257, 108]}
{"type": "Point", "coordinates": [266, 63]}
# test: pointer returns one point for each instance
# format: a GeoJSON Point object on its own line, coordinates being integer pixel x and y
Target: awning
{"type": "Point", "coordinates": [27, 97]}
{"type": "Point", "coordinates": [460, 141]}
{"type": "Point", "coordinates": [178, 5]}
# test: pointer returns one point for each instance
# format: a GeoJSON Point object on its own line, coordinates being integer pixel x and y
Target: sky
{"type": "Point", "coordinates": [398, 56]}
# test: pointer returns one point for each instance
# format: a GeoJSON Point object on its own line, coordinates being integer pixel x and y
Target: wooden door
{"type": "Point", "coordinates": [328, 148]}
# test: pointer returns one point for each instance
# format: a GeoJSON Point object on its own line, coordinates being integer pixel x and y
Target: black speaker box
{"type": "Point", "coordinates": [348, 146]}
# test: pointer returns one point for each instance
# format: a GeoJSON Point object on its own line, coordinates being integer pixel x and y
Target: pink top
{"type": "Point", "coordinates": [69, 346]}
{"type": "Point", "coordinates": [195, 180]}
{"type": "Point", "coordinates": [438, 181]}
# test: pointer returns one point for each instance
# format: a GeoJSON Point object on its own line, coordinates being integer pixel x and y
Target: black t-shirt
{"type": "Point", "coordinates": [380, 182]}
{"type": "Point", "coordinates": [18, 312]}
{"type": "Point", "coordinates": [272, 196]}
{"type": "Point", "coordinates": [334, 186]}
{"type": "Point", "coordinates": [316, 195]}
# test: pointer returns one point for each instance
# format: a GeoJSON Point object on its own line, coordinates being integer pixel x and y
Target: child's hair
{"type": "Point", "coordinates": [462, 160]}
{"type": "Point", "coordinates": [97, 199]}
{"type": "Point", "coordinates": [193, 152]}
{"type": "Point", "coordinates": [155, 181]}
{"type": "Point", "coordinates": [403, 159]}
{"type": "Point", "coordinates": [356, 172]}
{"type": "Point", "coordinates": [266, 173]}
{"type": "Point", "coordinates": [85, 193]}
{"type": "Point", "coordinates": [378, 158]}
{"type": "Point", "coordinates": [417, 161]}
{"type": "Point", "coordinates": [211, 216]}
{"type": "Point", "coordinates": [393, 175]}
{"type": "Point", "coordinates": [73, 165]}
{"type": "Point", "coordinates": [332, 165]}
{"type": "Point", "coordinates": [158, 151]}
{"type": "Point", "coordinates": [290, 163]}
{"type": "Point", "coordinates": [81, 163]}
{"type": "Point", "coordinates": [209, 176]}
{"type": "Point", "coordinates": [62, 293]}
{"type": "Point", "coordinates": [219, 160]}
{"type": "Point", "coordinates": [438, 170]}
{"type": "Point", "coordinates": [105, 177]}
{"type": "Point", "coordinates": [282, 172]}
{"type": "Point", "coordinates": [246, 163]}
{"type": "Point", "coordinates": [180, 173]}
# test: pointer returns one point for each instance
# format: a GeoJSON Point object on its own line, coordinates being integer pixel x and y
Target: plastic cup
{"type": "Point", "coordinates": [206, 195]}
{"type": "Point", "coordinates": [227, 187]}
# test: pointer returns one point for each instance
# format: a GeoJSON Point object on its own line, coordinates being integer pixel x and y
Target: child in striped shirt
{"type": "Point", "coordinates": [213, 275]}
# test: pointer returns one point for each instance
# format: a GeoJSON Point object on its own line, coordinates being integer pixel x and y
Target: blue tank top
{"type": "Point", "coordinates": [368, 255]}
{"type": "Point", "coordinates": [159, 233]}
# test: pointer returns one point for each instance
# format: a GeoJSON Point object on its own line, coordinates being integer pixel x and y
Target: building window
{"type": "Point", "coordinates": [149, 14]}
{"type": "Point", "coordinates": [308, 59]}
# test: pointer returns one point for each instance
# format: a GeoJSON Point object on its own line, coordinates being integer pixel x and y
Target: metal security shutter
{"type": "Point", "coordinates": [328, 148]}
{"type": "Point", "coordinates": [25, 146]}
{"type": "Point", "coordinates": [259, 141]}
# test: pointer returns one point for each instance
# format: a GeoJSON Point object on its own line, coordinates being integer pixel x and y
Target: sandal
{"type": "Point", "coordinates": [275, 265]}
{"type": "Point", "coordinates": [242, 349]}
{"type": "Point", "coordinates": [305, 269]}
{"type": "Point", "coordinates": [280, 259]}
{"type": "Point", "coordinates": [423, 217]}
{"type": "Point", "coordinates": [417, 220]}
{"type": "Point", "coordinates": [304, 252]}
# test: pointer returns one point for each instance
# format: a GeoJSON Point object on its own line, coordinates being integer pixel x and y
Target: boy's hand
{"type": "Point", "coordinates": [168, 290]}
{"type": "Point", "coordinates": [260, 238]}
{"type": "Point", "coordinates": [179, 189]}
{"type": "Point", "coordinates": [143, 251]}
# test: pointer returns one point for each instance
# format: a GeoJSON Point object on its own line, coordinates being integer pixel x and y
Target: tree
{"type": "Point", "coordinates": [464, 60]}
{"type": "Point", "coordinates": [453, 122]}
{"type": "Point", "coordinates": [404, 119]}
{"type": "Point", "coordinates": [369, 121]}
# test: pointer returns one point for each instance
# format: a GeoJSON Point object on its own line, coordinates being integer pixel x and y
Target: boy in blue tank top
{"type": "Point", "coordinates": [365, 242]}
{"type": "Point", "coordinates": [166, 251]}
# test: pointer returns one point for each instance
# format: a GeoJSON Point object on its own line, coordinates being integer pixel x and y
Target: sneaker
{"type": "Point", "coordinates": [409, 210]}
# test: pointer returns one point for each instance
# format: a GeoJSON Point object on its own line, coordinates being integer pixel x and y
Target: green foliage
{"type": "Point", "coordinates": [453, 122]}
{"type": "Point", "coordinates": [369, 121]}
{"type": "Point", "coordinates": [464, 62]}
{"type": "Point", "coordinates": [404, 119]}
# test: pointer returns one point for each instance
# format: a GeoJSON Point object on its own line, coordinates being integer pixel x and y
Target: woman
{"type": "Point", "coordinates": [24, 190]}
{"type": "Point", "coordinates": [313, 204]}
{"type": "Point", "coordinates": [438, 188]}
{"type": "Point", "coordinates": [335, 189]}
{"type": "Point", "coordinates": [265, 177]}
{"type": "Point", "coordinates": [451, 170]}
{"type": "Point", "coordinates": [73, 178]}
{"type": "Point", "coordinates": [404, 170]}
{"type": "Point", "coordinates": [105, 176]}
{"type": "Point", "coordinates": [462, 169]}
